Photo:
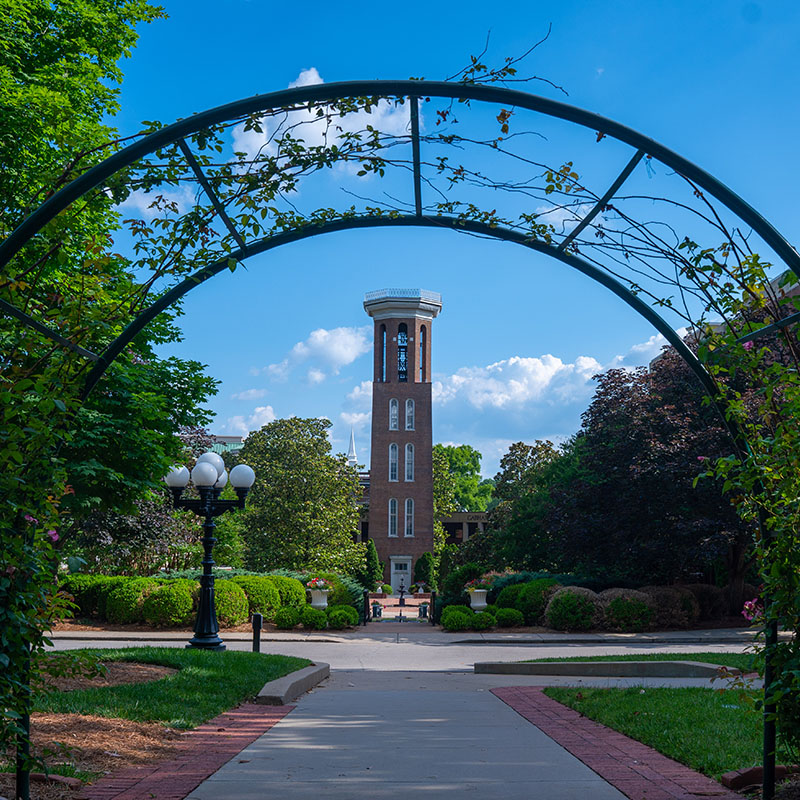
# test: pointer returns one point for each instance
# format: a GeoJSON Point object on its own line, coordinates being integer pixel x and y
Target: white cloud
{"type": "Point", "coordinates": [314, 130]}
{"type": "Point", "coordinates": [240, 424]}
{"type": "Point", "coordinates": [565, 218]}
{"type": "Point", "coordinates": [249, 394]}
{"type": "Point", "coordinates": [139, 201]}
{"type": "Point", "coordinates": [326, 350]}
{"type": "Point", "coordinates": [358, 419]}
{"type": "Point", "coordinates": [361, 396]}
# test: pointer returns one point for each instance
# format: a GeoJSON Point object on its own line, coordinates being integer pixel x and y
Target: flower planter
{"type": "Point", "coordinates": [477, 599]}
{"type": "Point", "coordinates": [319, 598]}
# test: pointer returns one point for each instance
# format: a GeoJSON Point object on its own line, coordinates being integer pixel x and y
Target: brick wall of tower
{"type": "Point", "coordinates": [418, 389]}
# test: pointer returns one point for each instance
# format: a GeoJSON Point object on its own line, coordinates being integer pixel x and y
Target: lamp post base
{"type": "Point", "coordinates": [211, 643]}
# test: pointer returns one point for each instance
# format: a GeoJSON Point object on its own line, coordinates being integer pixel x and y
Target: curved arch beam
{"type": "Point", "coordinates": [382, 88]}
{"type": "Point", "coordinates": [403, 221]}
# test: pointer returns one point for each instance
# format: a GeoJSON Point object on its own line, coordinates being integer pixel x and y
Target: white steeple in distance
{"type": "Point", "coordinates": [352, 459]}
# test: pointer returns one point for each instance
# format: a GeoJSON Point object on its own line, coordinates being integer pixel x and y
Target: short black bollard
{"type": "Point", "coordinates": [258, 622]}
{"type": "Point", "coordinates": [432, 614]}
{"type": "Point", "coordinates": [365, 598]}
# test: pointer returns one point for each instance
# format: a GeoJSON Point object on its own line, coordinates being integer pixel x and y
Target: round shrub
{"type": "Point", "coordinates": [453, 584]}
{"type": "Point", "coordinates": [262, 594]}
{"type": "Point", "coordinates": [231, 603]}
{"type": "Point", "coordinates": [339, 620]}
{"type": "Point", "coordinates": [573, 608]}
{"type": "Point", "coordinates": [386, 588]}
{"type": "Point", "coordinates": [508, 595]}
{"type": "Point", "coordinates": [290, 590]}
{"type": "Point", "coordinates": [314, 619]}
{"type": "Point", "coordinates": [490, 609]}
{"type": "Point", "coordinates": [532, 599]}
{"type": "Point", "coordinates": [350, 614]}
{"type": "Point", "coordinates": [688, 603]}
{"type": "Point", "coordinates": [85, 590]}
{"type": "Point", "coordinates": [671, 608]}
{"type": "Point", "coordinates": [711, 600]}
{"type": "Point", "coordinates": [125, 600]}
{"type": "Point", "coordinates": [170, 604]}
{"type": "Point", "coordinates": [456, 620]}
{"type": "Point", "coordinates": [509, 618]}
{"type": "Point", "coordinates": [627, 610]}
{"type": "Point", "coordinates": [481, 621]}
{"type": "Point", "coordinates": [287, 617]}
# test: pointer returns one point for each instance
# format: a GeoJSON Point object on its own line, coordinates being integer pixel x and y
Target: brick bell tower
{"type": "Point", "coordinates": [401, 476]}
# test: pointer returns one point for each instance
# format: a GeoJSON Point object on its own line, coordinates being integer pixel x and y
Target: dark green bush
{"type": "Point", "coordinates": [627, 610]}
{"type": "Point", "coordinates": [85, 590]}
{"type": "Point", "coordinates": [711, 600]}
{"type": "Point", "coordinates": [314, 619]}
{"type": "Point", "coordinates": [291, 591]}
{"type": "Point", "coordinates": [454, 618]}
{"type": "Point", "coordinates": [532, 599]}
{"type": "Point", "coordinates": [689, 603]}
{"type": "Point", "coordinates": [425, 571]}
{"type": "Point", "coordinates": [339, 619]}
{"type": "Point", "coordinates": [481, 621]}
{"type": "Point", "coordinates": [573, 608]}
{"type": "Point", "coordinates": [102, 591]}
{"type": "Point", "coordinates": [453, 584]}
{"type": "Point", "coordinates": [350, 613]}
{"type": "Point", "coordinates": [490, 609]}
{"type": "Point", "coordinates": [287, 617]}
{"type": "Point", "coordinates": [170, 604]}
{"type": "Point", "coordinates": [125, 600]}
{"type": "Point", "coordinates": [671, 608]}
{"type": "Point", "coordinates": [509, 618]}
{"type": "Point", "coordinates": [231, 603]}
{"type": "Point", "coordinates": [386, 588]}
{"type": "Point", "coordinates": [262, 594]}
{"type": "Point", "coordinates": [507, 597]}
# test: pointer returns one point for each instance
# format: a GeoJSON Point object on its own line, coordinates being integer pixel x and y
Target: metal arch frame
{"type": "Point", "coordinates": [413, 90]}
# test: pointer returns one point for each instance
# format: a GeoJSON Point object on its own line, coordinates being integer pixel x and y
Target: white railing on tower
{"type": "Point", "coordinates": [422, 294]}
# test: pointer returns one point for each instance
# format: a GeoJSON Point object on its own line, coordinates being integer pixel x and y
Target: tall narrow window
{"type": "Point", "coordinates": [409, 526]}
{"type": "Point", "coordinates": [422, 365]}
{"type": "Point", "coordinates": [409, 462]}
{"type": "Point", "coordinates": [402, 353]}
{"type": "Point", "coordinates": [393, 517]}
{"type": "Point", "coordinates": [392, 462]}
{"type": "Point", "coordinates": [409, 415]}
{"type": "Point", "coordinates": [382, 372]}
{"type": "Point", "coordinates": [394, 413]}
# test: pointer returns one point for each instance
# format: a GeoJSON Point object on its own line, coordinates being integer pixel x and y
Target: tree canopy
{"type": "Point", "coordinates": [303, 508]}
{"type": "Point", "coordinates": [471, 492]}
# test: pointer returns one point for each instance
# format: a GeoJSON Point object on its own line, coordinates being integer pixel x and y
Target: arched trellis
{"type": "Point", "coordinates": [414, 90]}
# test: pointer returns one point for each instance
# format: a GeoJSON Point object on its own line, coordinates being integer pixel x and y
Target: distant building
{"type": "Point", "coordinates": [226, 444]}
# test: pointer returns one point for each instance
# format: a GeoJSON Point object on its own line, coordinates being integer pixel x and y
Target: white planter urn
{"type": "Point", "coordinates": [477, 600]}
{"type": "Point", "coordinates": [319, 598]}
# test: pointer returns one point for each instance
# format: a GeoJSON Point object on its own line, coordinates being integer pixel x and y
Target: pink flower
{"type": "Point", "coordinates": [748, 345]}
{"type": "Point", "coordinates": [30, 519]}
{"type": "Point", "coordinates": [701, 458]}
{"type": "Point", "coordinates": [53, 536]}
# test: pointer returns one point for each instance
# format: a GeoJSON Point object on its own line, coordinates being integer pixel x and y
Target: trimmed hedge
{"type": "Point", "coordinates": [314, 619]}
{"type": "Point", "coordinates": [125, 600]}
{"type": "Point", "coordinates": [170, 604]}
{"type": "Point", "coordinates": [673, 609]}
{"type": "Point", "coordinates": [507, 597]}
{"type": "Point", "coordinates": [290, 590]}
{"type": "Point", "coordinates": [339, 619]}
{"type": "Point", "coordinates": [573, 608]}
{"type": "Point", "coordinates": [711, 599]}
{"type": "Point", "coordinates": [481, 621]}
{"type": "Point", "coordinates": [287, 617]}
{"type": "Point", "coordinates": [509, 618]}
{"type": "Point", "coordinates": [627, 610]}
{"type": "Point", "coordinates": [262, 594]}
{"type": "Point", "coordinates": [231, 603]}
{"type": "Point", "coordinates": [532, 599]}
{"type": "Point", "coordinates": [349, 612]}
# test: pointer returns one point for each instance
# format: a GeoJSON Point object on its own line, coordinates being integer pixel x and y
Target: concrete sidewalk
{"type": "Point", "coordinates": [399, 737]}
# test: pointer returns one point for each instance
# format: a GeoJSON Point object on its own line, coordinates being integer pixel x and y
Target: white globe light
{"type": "Point", "coordinates": [204, 474]}
{"type": "Point", "coordinates": [242, 477]}
{"type": "Point", "coordinates": [177, 477]}
{"type": "Point", "coordinates": [221, 481]}
{"type": "Point", "coordinates": [215, 459]}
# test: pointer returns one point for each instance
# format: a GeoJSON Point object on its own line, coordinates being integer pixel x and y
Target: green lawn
{"type": "Point", "coordinates": [742, 661]}
{"type": "Point", "coordinates": [713, 731]}
{"type": "Point", "coordinates": [207, 684]}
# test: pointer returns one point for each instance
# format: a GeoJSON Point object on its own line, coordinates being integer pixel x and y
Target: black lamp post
{"type": "Point", "coordinates": [209, 478]}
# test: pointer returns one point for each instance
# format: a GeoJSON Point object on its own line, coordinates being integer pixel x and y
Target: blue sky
{"type": "Point", "coordinates": [520, 336]}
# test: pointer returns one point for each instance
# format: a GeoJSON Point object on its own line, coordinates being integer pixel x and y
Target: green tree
{"type": "Point", "coordinates": [444, 497]}
{"type": "Point", "coordinates": [372, 573]}
{"type": "Point", "coordinates": [302, 511]}
{"type": "Point", "coordinates": [464, 463]}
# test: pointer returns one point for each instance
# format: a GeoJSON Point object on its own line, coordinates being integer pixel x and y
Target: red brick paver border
{"type": "Point", "coordinates": [200, 754]}
{"type": "Point", "coordinates": [638, 771]}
